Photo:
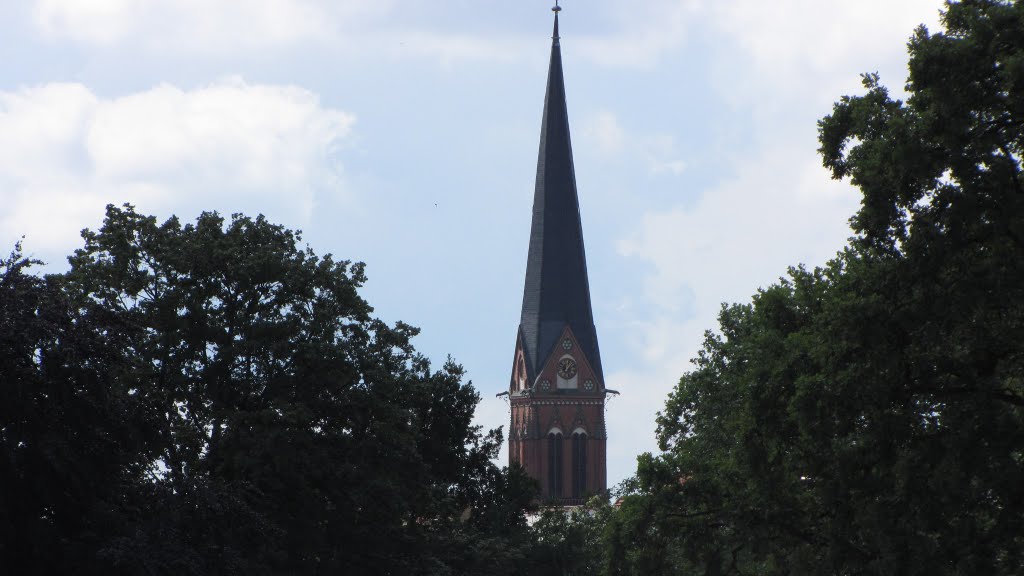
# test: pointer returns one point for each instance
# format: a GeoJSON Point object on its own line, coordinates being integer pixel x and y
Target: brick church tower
{"type": "Point", "coordinates": [557, 392]}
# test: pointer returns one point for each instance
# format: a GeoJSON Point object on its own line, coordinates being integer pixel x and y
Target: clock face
{"type": "Point", "coordinates": [567, 368]}
{"type": "Point", "coordinates": [566, 344]}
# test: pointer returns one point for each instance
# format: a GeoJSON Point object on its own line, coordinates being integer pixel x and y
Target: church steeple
{"type": "Point", "coordinates": [557, 290]}
{"type": "Point", "coordinates": [557, 392]}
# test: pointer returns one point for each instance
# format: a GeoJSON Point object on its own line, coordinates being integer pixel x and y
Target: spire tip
{"type": "Point", "coordinates": [556, 10]}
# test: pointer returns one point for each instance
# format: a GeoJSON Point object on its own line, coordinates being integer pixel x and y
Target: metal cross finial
{"type": "Point", "coordinates": [557, 8]}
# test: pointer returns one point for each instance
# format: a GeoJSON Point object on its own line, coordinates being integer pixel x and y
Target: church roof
{"type": "Point", "coordinates": [557, 291]}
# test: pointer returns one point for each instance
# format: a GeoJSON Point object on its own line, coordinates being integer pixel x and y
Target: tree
{"type": "Point", "coordinates": [868, 417]}
{"type": "Point", "coordinates": [274, 426]}
{"type": "Point", "coordinates": [570, 541]}
{"type": "Point", "coordinates": [66, 439]}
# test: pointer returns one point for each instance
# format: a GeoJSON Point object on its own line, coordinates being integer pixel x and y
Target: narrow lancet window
{"type": "Point", "coordinates": [555, 464]}
{"type": "Point", "coordinates": [579, 464]}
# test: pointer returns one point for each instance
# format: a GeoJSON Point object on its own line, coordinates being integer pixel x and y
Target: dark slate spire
{"type": "Point", "coordinates": [557, 291]}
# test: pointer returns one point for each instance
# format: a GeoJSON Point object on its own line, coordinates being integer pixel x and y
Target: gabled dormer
{"type": "Point", "coordinates": [568, 369]}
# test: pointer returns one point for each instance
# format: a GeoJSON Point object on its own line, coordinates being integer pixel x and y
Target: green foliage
{"type": "Point", "coordinates": [209, 399]}
{"type": "Point", "coordinates": [868, 417]}
{"type": "Point", "coordinates": [68, 444]}
{"type": "Point", "coordinates": [571, 540]}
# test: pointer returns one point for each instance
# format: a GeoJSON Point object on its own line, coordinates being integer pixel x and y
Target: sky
{"type": "Point", "coordinates": [404, 134]}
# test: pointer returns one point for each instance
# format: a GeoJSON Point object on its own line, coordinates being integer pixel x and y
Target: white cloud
{"type": "Point", "coordinates": [230, 146]}
{"type": "Point", "coordinates": [819, 34]}
{"type": "Point", "coordinates": [795, 39]}
{"type": "Point", "coordinates": [216, 25]}
{"type": "Point", "coordinates": [633, 35]}
{"type": "Point", "coordinates": [662, 157]}
{"type": "Point", "coordinates": [604, 131]}
{"type": "Point", "coordinates": [643, 32]}
{"type": "Point", "coordinates": [448, 49]}
{"type": "Point", "coordinates": [781, 210]}
{"type": "Point", "coordinates": [241, 27]}
{"type": "Point", "coordinates": [675, 167]}
{"type": "Point", "coordinates": [804, 52]}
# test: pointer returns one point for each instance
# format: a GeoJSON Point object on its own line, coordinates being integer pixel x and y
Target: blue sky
{"type": "Point", "coordinates": [404, 133]}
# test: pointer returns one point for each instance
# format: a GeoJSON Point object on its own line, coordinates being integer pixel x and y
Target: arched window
{"type": "Point", "coordinates": [579, 464]}
{"type": "Point", "coordinates": [555, 463]}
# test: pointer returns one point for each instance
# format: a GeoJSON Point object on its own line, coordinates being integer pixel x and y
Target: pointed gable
{"type": "Point", "coordinates": [557, 291]}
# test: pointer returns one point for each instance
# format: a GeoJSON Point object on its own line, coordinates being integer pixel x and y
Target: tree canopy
{"type": "Point", "coordinates": [209, 398]}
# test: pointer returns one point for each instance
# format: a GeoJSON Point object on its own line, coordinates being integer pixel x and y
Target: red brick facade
{"type": "Point", "coordinates": [557, 430]}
